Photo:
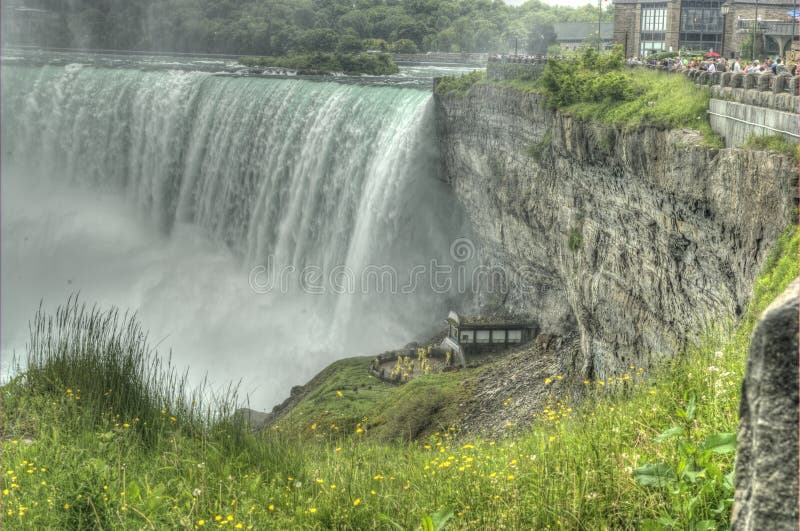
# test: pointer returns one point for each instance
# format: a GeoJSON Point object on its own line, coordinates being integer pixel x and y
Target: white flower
{"type": "Point", "coordinates": [196, 493]}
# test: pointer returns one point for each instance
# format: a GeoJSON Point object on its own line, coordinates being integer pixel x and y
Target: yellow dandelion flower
{"type": "Point", "coordinates": [66, 506]}
{"type": "Point", "coordinates": [339, 394]}
{"type": "Point", "coordinates": [271, 507]}
{"type": "Point", "coordinates": [356, 502]}
{"type": "Point", "coordinates": [312, 510]}
{"type": "Point", "coordinates": [552, 438]}
{"type": "Point", "coordinates": [548, 381]}
{"type": "Point", "coordinates": [201, 523]}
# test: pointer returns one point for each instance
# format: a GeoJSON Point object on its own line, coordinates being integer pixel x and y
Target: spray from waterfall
{"type": "Point", "coordinates": [163, 190]}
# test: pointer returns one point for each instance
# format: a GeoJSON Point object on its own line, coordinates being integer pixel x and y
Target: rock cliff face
{"type": "Point", "coordinates": [766, 460]}
{"type": "Point", "coordinates": [633, 239]}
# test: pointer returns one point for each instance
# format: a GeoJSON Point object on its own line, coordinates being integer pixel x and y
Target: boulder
{"type": "Point", "coordinates": [767, 463]}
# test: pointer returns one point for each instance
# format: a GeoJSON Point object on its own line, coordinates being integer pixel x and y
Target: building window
{"type": "Point", "coordinates": [467, 336]}
{"type": "Point", "coordinates": [653, 28]}
{"type": "Point", "coordinates": [701, 25]}
{"type": "Point", "coordinates": [515, 336]}
{"type": "Point", "coordinates": [498, 336]}
{"type": "Point", "coordinates": [482, 336]}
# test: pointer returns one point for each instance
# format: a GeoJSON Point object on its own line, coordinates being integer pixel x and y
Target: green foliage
{"type": "Point", "coordinates": [575, 239]}
{"type": "Point", "coordinates": [590, 77]}
{"type": "Point", "coordinates": [460, 85]}
{"type": "Point", "coordinates": [775, 143]}
{"type": "Point", "coordinates": [375, 64]}
{"type": "Point", "coordinates": [281, 27]}
{"type": "Point", "coordinates": [538, 149]}
{"type": "Point", "coordinates": [404, 46]}
{"type": "Point", "coordinates": [595, 87]}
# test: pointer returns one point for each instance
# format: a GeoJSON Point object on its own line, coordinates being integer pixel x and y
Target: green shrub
{"type": "Point", "coordinates": [375, 64]}
{"type": "Point", "coordinates": [404, 46]}
{"type": "Point", "coordinates": [575, 239]}
{"type": "Point", "coordinates": [538, 149]}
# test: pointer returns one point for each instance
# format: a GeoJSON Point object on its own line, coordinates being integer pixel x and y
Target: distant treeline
{"type": "Point", "coordinates": [283, 27]}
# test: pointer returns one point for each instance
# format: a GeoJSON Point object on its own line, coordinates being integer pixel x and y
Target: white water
{"type": "Point", "coordinates": [160, 190]}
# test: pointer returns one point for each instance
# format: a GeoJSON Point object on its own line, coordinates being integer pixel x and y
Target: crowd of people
{"type": "Point", "coordinates": [770, 65]}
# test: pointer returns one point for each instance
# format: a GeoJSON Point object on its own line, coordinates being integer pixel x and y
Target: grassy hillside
{"type": "Point", "coordinates": [96, 435]}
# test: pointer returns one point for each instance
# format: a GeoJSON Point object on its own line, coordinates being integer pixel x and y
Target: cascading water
{"type": "Point", "coordinates": [162, 190]}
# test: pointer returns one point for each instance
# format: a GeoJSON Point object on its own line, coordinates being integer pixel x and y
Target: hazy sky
{"type": "Point", "coordinates": [571, 3]}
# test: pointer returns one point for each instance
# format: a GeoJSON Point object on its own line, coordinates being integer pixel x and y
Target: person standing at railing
{"type": "Point", "coordinates": [737, 65]}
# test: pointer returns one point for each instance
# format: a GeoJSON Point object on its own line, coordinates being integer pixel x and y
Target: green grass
{"type": "Point", "coordinates": [644, 450]}
{"type": "Point", "coordinates": [774, 143]}
{"type": "Point", "coordinates": [345, 398]}
{"type": "Point", "coordinates": [660, 100]}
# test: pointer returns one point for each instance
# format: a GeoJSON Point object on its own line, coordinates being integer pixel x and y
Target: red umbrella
{"type": "Point", "coordinates": [711, 54]}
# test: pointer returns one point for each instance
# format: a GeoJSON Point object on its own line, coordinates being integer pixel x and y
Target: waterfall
{"type": "Point", "coordinates": [176, 184]}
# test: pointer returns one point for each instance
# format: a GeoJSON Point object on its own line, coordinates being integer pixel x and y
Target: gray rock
{"type": "Point", "coordinates": [766, 462]}
{"type": "Point", "coordinates": [634, 239]}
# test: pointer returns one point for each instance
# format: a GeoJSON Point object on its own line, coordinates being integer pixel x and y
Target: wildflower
{"type": "Point", "coordinates": [312, 510]}
{"type": "Point", "coordinates": [320, 481]}
{"type": "Point", "coordinates": [218, 518]}
{"type": "Point", "coordinates": [271, 507]}
{"type": "Point", "coordinates": [126, 425]}
{"type": "Point", "coordinates": [196, 493]}
{"type": "Point", "coordinates": [356, 502]}
{"type": "Point", "coordinates": [201, 523]}
{"type": "Point", "coordinates": [548, 381]}
{"type": "Point", "coordinates": [66, 506]}
{"type": "Point", "coordinates": [552, 438]}
{"type": "Point", "coordinates": [372, 492]}
{"type": "Point", "coordinates": [238, 526]}
{"type": "Point", "coordinates": [314, 426]}
{"type": "Point", "coordinates": [339, 394]}
{"type": "Point", "coordinates": [229, 518]}
{"type": "Point", "coordinates": [333, 486]}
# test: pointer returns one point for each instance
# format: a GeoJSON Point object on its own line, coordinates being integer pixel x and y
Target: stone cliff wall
{"type": "Point", "coordinates": [633, 239]}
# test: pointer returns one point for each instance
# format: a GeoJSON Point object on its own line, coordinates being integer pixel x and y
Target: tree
{"type": "Point", "coordinates": [404, 46]}
{"type": "Point", "coordinates": [540, 37]}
